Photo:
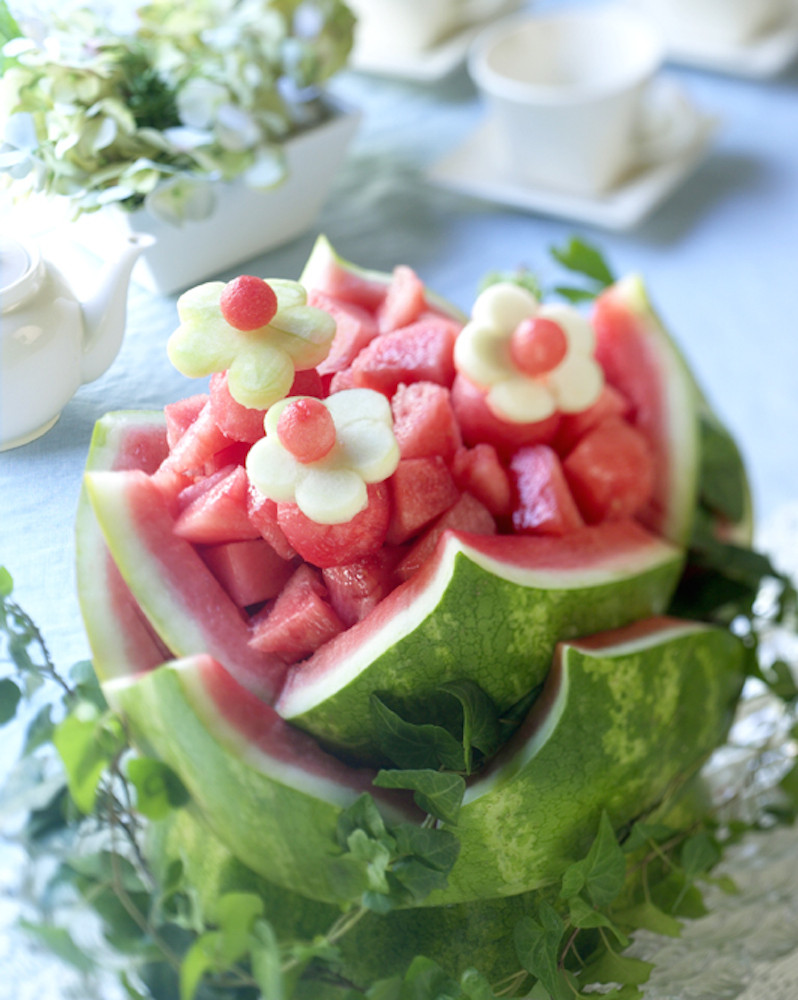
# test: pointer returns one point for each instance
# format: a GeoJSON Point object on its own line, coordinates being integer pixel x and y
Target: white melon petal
{"type": "Point", "coordinates": [504, 305]}
{"type": "Point", "coordinates": [576, 383]}
{"type": "Point", "coordinates": [330, 496]}
{"type": "Point", "coordinates": [581, 338]}
{"type": "Point", "coordinates": [481, 353]}
{"type": "Point", "coordinates": [352, 405]}
{"type": "Point", "coordinates": [272, 470]}
{"type": "Point", "coordinates": [521, 400]}
{"type": "Point", "coordinates": [370, 448]}
{"type": "Point", "coordinates": [289, 293]}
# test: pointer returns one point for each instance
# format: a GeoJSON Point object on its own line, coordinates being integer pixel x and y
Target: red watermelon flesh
{"type": "Point", "coordinates": [250, 571]}
{"type": "Point", "coordinates": [404, 301]}
{"type": "Point", "coordinates": [419, 352]}
{"type": "Point", "coordinates": [424, 423]}
{"type": "Point", "coordinates": [468, 515]}
{"type": "Point", "coordinates": [544, 504]}
{"type": "Point", "coordinates": [355, 327]}
{"type": "Point", "coordinates": [479, 472]}
{"type": "Point", "coordinates": [421, 490]}
{"type": "Point", "coordinates": [241, 423]}
{"type": "Point", "coordinates": [356, 588]}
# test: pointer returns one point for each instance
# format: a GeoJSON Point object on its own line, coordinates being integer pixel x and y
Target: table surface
{"type": "Point", "coordinates": [720, 258]}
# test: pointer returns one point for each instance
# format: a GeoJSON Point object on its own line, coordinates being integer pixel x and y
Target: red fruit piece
{"type": "Point", "coordinates": [299, 621]}
{"type": "Point", "coordinates": [611, 472]}
{"type": "Point", "coordinates": [544, 505]}
{"type": "Point", "coordinates": [357, 587]}
{"type": "Point", "coordinates": [248, 303]}
{"type": "Point", "coordinates": [217, 509]}
{"type": "Point", "coordinates": [479, 472]}
{"type": "Point", "coordinates": [307, 383]}
{"type": "Point", "coordinates": [241, 423]}
{"type": "Point", "coordinates": [421, 490]}
{"type": "Point", "coordinates": [420, 352]}
{"type": "Point", "coordinates": [479, 424]}
{"type": "Point", "coordinates": [306, 429]}
{"type": "Point", "coordinates": [424, 423]}
{"type": "Point", "coordinates": [404, 302]}
{"type": "Point", "coordinates": [538, 345]}
{"type": "Point", "coordinates": [574, 426]}
{"type": "Point", "coordinates": [262, 513]}
{"type": "Point", "coordinates": [180, 415]}
{"type": "Point", "coordinates": [468, 514]}
{"type": "Point", "coordinates": [335, 544]}
{"type": "Point", "coordinates": [354, 329]}
{"type": "Point", "coordinates": [190, 455]}
{"type": "Point", "coordinates": [250, 571]}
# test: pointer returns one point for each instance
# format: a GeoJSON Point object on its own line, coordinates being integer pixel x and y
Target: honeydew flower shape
{"type": "Point", "coordinates": [278, 335]}
{"type": "Point", "coordinates": [532, 360]}
{"type": "Point", "coordinates": [323, 454]}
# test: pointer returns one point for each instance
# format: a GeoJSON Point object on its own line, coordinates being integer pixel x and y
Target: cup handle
{"type": "Point", "coordinates": [667, 125]}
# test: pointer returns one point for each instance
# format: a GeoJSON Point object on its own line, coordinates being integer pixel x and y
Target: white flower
{"type": "Point", "coordinates": [331, 489]}
{"type": "Point", "coordinates": [484, 354]}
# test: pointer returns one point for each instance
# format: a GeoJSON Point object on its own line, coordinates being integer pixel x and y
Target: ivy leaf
{"type": "Point", "coordinates": [613, 968]}
{"type": "Point", "coordinates": [437, 793]}
{"type": "Point", "coordinates": [436, 848]}
{"type": "Point", "coordinates": [584, 916]}
{"type": "Point", "coordinates": [537, 944]}
{"type": "Point", "coordinates": [83, 754]}
{"type": "Point", "coordinates": [522, 277]}
{"type": "Point", "coordinates": [158, 788]}
{"type": "Point", "coordinates": [646, 834]}
{"type": "Point", "coordinates": [426, 980]}
{"type": "Point", "coordinates": [649, 917]}
{"type": "Point", "coordinates": [475, 986]}
{"type": "Point", "coordinates": [413, 746]}
{"type": "Point", "coordinates": [722, 486]}
{"type": "Point", "coordinates": [699, 854]}
{"type": "Point", "coordinates": [40, 730]}
{"type": "Point", "coordinates": [585, 259]}
{"type": "Point", "coordinates": [6, 581]}
{"type": "Point", "coordinates": [59, 941]}
{"type": "Point", "coordinates": [362, 814]}
{"type": "Point", "coordinates": [481, 728]}
{"type": "Point", "coordinates": [601, 873]}
{"type": "Point", "coordinates": [10, 696]}
{"type": "Point", "coordinates": [266, 961]}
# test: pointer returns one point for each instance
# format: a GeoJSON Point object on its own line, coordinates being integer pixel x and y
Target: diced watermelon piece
{"type": "Point", "coordinates": [357, 587]}
{"type": "Point", "coordinates": [218, 514]}
{"type": "Point", "coordinates": [250, 571]}
{"type": "Point", "coordinates": [405, 301]}
{"type": "Point", "coordinates": [307, 383]}
{"type": "Point", "coordinates": [355, 327]}
{"type": "Point", "coordinates": [574, 426]}
{"type": "Point", "coordinates": [611, 472]}
{"type": "Point", "coordinates": [325, 273]}
{"type": "Point", "coordinates": [262, 512]}
{"type": "Point", "coordinates": [420, 352]}
{"type": "Point", "coordinates": [478, 424]}
{"type": "Point", "coordinates": [340, 381]}
{"type": "Point", "coordinates": [424, 422]}
{"type": "Point", "coordinates": [335, 544]}
{"type": "Point", "coordinates": [421, 490]}
{"type": "Point", "coordinates": [543, 505]}
{"type": "Point", "coordinates": [299, 621]}
{"type": "Point", "coordinates": [241, 423]}
{"type": "Point", "coordinates": [181, 414]}
{"type": "Point", "coordinates": [233, 454]}
{"type": "Point", "coordinates": [468, 514]}
{"type": "Point", "coordinates": [479, 472]}
{"type": "Point", "coordinates": [197, 445]}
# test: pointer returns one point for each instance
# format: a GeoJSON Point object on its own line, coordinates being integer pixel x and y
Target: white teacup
{"type": "Point", "coordinates": [569, 93]}
{"type": "Point", "coordinates": [409, 27]}
{"type": "Point", "coordinates": [715, 22]}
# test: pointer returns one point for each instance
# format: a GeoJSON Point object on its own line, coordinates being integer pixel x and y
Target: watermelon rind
{"type": "Point", "coordinates": [275, 799]}
{"type": "Point", "coordinates": [653, 699]}
{"type": "Point", "coordinates": [479, 612]}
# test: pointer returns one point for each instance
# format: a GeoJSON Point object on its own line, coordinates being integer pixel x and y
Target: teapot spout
{"type": "Point", "coordinates": [105, 314]}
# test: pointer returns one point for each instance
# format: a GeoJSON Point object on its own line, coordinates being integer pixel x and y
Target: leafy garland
{"type": "Point", "coordinates": [88, 799]}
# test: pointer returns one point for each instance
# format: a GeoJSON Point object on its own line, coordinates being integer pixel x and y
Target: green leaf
{"type": "Point", "coordinates": [475, 986]}
{"type": "Point", "coordinates": [584, 258]}
{"type": "Point", "coordinates": [436, 848]}
{"type": "Point", "coordinates": [375, 858]}
{"type": "Point", "coordinates": [83, 754]}
{"type": "Point", "coordinates": [267, 961]}
{"type": "Point", "coordinates": [722, 486]}
{"type": "Point", "coordinates": [362, 814]}
{"type": "Point", "coordinates": [10, 696]}
{"type": "Point", "coordinates": [601, 873]}
{"type": "Point", "coordinates": [613, 968]}
{"type": "Point", "coordinates": [699, 854]}
{"type": "Point", "coordinates": [6, 581]}
{"type": "Point", "coordinates": [522, 277]}
{"type": "Point", "coordinates": [537, 944]}
{"type": "Point", "coordinates": [437, 793]}
{"type": "Point", "coordinates": [481, 728]}
{"type": "Point", "coordinates": [40, 730]}
{"type": "Point", "coordinates": [649, 917]}
{"type": "Point", "coordinates": [198, 960]}
{"type": "Point", "coordinates": [574, 295]}
{"type": "Point", "coordinates": [419, 879]}
{"type": "Point", "coordinates": [647, 834]}
{"type": "Point", "coordinates": [414, 746]}
{"type": "Point", "coordinates": [158, 788]}
{"type": "Point", "coordinates": [583, 916]}
{"type": "Point", "coordinates": [426, 980]}
{"type": "Point", "coordinates": [59, 941]}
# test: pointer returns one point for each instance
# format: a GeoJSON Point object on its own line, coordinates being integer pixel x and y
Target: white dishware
{"type": "Point", "coordinates": [571, 95]}
{"type": "Point", "coordinates": [409, 27]}
{"type": "Point", "coordinates": [472, 169]}
{"type": "Point", "coordinates": [713, 23]}
{"type": "Point", "coordinates": [51, 343]}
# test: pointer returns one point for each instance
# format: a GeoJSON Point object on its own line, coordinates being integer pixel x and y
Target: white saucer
{"type": "Point", "coordinates": [763, 57]}
{"type": "Point", "coordinates": [429, 66]}
{"type": "Point", "coordinates": [472, 169]}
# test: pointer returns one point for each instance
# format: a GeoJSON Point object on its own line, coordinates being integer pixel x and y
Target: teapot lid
{"type": "Point", "coordinates": [21, 271]}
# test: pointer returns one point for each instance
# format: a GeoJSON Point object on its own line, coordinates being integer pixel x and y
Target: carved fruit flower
{"type": "Point", "coordinates": [321, 454]}
{"type": "Point", "coordinates": [263, 332]}
{"type": "Point", "coordinates": [532, 360]}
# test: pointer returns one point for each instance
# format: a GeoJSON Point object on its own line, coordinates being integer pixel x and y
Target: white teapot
{"type": "Point", "coordinates": [50, 342]}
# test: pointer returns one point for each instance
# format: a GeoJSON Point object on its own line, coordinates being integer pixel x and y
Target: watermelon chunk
{"type": "Point", "coordinates": [544, 504]}
{"type": "Point", "coordinates": [479, 472]}
{"type": "Point", "coordinates": [424, 423]}
{"type": "Point", "coordinates": [355, 327]}
{"type": "Point", "coordinates": [180, 415]}
{"type": "Point", "coordinates": [240, 423]}
{"type": "Point", "coordinates": [250, 571]}
{"type": "Point", "coordinates": [262, 512]}
{"type": "Point", "coordinates": [420, 352]}
{"type": "Point", "coordinates": [356, 588]}
{"type": "Point", "coordinates": [467, 515]}
{"type": "Point", "coordinates": [404, 301]}
{"type": "Point", "coordinates": [421, 490]}
{"type": "Point", "coordinates": [219, 513]}
{"type": "Point", "coordinates": [299, 621]}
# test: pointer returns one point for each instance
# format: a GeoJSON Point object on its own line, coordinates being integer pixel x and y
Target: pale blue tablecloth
{"type": "Point", "coordinates": [720, 257]}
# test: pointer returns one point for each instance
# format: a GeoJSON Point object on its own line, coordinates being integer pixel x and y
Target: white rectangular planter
{"type": "Point", "coordinates": [246, 221]}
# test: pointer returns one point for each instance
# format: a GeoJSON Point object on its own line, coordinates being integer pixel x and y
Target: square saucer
{"type": "Point", "coordinates": [472, 169]}
{"type": "Point", "coordinates": [765, 56]}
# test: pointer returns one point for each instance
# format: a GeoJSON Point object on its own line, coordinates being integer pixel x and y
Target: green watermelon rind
{"type": "Point", "coordinates": [503, 641]}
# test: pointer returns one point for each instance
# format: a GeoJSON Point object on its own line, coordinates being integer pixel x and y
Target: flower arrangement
{"type": "Point", "coordinates": [150, 108]}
